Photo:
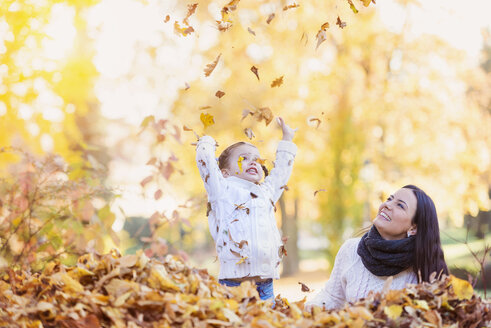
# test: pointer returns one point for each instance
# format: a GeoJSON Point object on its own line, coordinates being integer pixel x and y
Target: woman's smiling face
{"type": "Point", "coordinates": [395, 215]}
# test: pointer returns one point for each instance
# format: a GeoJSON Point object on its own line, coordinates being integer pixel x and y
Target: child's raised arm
{"type": "Point", "coordinates": [208, 167]}
{"type": "Point", "coordinates": [283, 165]}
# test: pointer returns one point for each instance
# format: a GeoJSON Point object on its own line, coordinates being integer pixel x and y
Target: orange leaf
{"type": "Point", "coordinates": [294, 5]}
{"type": "Point", "coordinates": [181, 30]}
{"type": "Point", "coordinates": [206, 119]}
{"type": "Point", "coordinates": [220, 94]}
{"type": "Point", "coordinates": [255, 71]}
{"type": "Point", "coordinates": [340, 23]}
{"type": "Point", "coordinates": [158, 194]}
{"type": "Point", "coordinates": [265, 114]}
{"type": "Point", "coordinates": [321, 34]}
{"type": "Point", "coordinates": [191, 10]}
{"type": "Point", "coordinates": [210, 67]}
{"type": "Point", "coordinates": [277, 82]}
{"type": "Point", "coordinates": [166, 19]}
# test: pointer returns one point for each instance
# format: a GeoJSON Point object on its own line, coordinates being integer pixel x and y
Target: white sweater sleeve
{"type": "Point", "coordinates": [283, 165]}
{"type": "Point", "coordinates": [333, 295]}
{"type": "Point", "coordinates": [208, 167]}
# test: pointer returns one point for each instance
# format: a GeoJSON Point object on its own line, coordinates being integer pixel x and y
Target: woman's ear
{"type": "Point", "coordinates": [412, 231]}
{"type": "Point", "coordinates": [225, 173]}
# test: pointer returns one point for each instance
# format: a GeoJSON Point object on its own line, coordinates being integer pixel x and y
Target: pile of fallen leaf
{"type": "Point", "coordinates": [135, 291]}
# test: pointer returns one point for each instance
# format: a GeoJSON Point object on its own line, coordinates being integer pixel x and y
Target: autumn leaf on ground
{"type": "Point", "coordinates": [462, 289]}
{"type": "Point", "coordinates": [393, 311]}
{"type": "Point", "coordinates": [255, 71]}
{"type": "Point", "coordinates": [340, 23]}
{"type": "Point", "coordinates": [294, 5]}
{"type": "Point", "coordinates": [318, 121]}
{"type": "Point", "coordinates": [206, 119]}
{"type": "Point", "coordinates": [305, 289]}
{"type": "Point", "coordinates": [264, 114]}
{"type": "Point", "coordinates": [317, 191]}
{"type": "Point", "coordinates": [321, 34]}
{"type": "Point", "coordinates": [270, 18]}
{"type": "Point", "coordinates": [248, 132]}
{"type": "Point", "coordinates": [181, 30]}
{"type": "Point", "coordinates": [191, 10]}
{"type": "Point", "coordinates": [210, 67]}
{"type": "Point", "coordinates": [220, 94]}
{"type": "Point", "coordinates": [251, 31]}
{"type": "Point", "coordinates": [167, 18]}
{"type": "Point", "coordinates": [352, 6]}
{"type": "Point", "coordinates": [277, 82]}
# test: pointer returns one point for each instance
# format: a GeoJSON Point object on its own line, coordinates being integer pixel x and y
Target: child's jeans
{"type": "Point", "coordinates": [264, 288]}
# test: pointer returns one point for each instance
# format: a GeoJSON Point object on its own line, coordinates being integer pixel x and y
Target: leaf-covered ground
{"type": "Point", "coordinates": [135, 291]}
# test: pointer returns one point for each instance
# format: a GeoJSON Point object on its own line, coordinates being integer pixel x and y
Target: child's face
{"type": "Point", "coordinates": [243, 163]}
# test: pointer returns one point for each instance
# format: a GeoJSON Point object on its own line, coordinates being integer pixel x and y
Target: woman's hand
{"type": "Point", "coordinates": [288, 132]}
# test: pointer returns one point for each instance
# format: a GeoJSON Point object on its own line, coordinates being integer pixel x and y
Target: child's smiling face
{"type": "Point", "coordinates": [243, 163]}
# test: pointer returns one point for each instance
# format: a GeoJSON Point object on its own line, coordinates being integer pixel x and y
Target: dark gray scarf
{"type": "Point", "coordinates": [386, 257]}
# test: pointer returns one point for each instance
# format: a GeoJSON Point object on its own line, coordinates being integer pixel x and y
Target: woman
{"type": "Point", "coordinates": [404, 242]}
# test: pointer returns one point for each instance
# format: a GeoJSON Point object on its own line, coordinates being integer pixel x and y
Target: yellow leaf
{"type": "Point", "coordinates": [206, 119]}
{"type": "Point", "coordinates": [462, 289]}
{"type": "Point", "coordinates": [393, 311]}
{"type": "Point", "coordinates": [366, 2]}
{"type": "Point", "coordinates": [242, 260]}
{"type": "Point", "coordinates": [422, 304]}
{"type": "Point", "coordinates": [239, 163]}
{"type": "Point", "coordinates": [352, 6]}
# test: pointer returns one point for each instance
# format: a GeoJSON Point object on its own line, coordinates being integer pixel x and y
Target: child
{"type": "Point", "coordinates": [241, 209]}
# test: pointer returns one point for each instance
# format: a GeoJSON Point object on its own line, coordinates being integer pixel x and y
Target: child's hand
{"type": "Point", "coordinates": [288, 132]}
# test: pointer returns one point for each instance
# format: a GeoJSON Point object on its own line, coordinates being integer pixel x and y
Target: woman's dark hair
{"type": "Point", "coordinates": [224, 156]}
{"type": "Point", "coordinates": [429, 256]}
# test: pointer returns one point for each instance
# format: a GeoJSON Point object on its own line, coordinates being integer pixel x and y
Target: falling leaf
{"type": "Point", "coordinates": [223, 26]}
{"type": "Point", "coordinates": [152, 161]}
{"type": "Point", "coordinates": [206, 119]}
{"type": "Point", "coordinates": [315, 120]}
{"type": "Point", "coordinates": [393, 311]}
{"type": "Point", "coordinates": [185, 128]}
{"type": "Point", "coordinates": [270, 18]}
{"type": "Point", "coordinates": [239, 163]}
{"type": "Point", "coordinates": [304, 35]}
{"type": "Point", "coordinates": [242, 243]}
{"type": "Point", "coordinates": [186, 86]}
{"type": "Point", "coordinates": [147, 120]}
{"type": "Point", "coordinates": [255, 71]}
{"type": "Point", "coordinates": [277, 82]}
{"type": "Point", "coordinates": [352, 6]}
{"type": "Point", "coordinates": [210, 67]}
{"type": "Point", "coordinates": [248, 132]}
{"type": "Point", "coordinates": [167, 18]}
{"type": "Point", "coordinates": [294, 5]}
{"type": "Point", "coordinates": [181, 30]}
{"type": "Point", "coordinates": [285, 187]}
{"type": "Point", "coordinates": [235, 253]}
{"type": "Point", "coordinates": [366, 2]}
{"type": "Point", "coordinates": [282, 251]}
{"type": "Point", "coordinates": [191, 10]}
{"type": "Point", "coordinates": [204, 107]}
{"type": "Point", "coordinates": [220, 94]}
{"type": "Point", "coordinates": [245, 113]}
{"type": "Point", "coordinates": [321, 34]}
{"type": "Point", "coordinates": [261, 161]}
{"type": "Point", "coordinates": [251, 31]}
{"type": "Point", "coordinates": [315, 192]}
{"type": "Point", "coordinates": [157, 195]}
{"type": "Point", "coordinates": [265, 114]}
{"type": "Point", "coordinates": [462, 289]}
{"type": "Point", "coordinates": [146, 180]}
{"type": "Point", "coordinates": [253, 195]}
{"type": "Point", "coordinates": [340, 23]}
{"type": "Point", "coordinates": [305, 289]}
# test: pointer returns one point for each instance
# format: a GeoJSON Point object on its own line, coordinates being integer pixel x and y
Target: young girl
{"type": "Point", "coordinates": [241, 209]}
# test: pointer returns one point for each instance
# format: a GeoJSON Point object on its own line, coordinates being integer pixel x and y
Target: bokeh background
{"type": "Point", "coordinates": [100, 104]}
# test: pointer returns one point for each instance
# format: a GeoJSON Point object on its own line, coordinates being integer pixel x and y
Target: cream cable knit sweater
{"type": "Point", "coordinates": [350, 280]}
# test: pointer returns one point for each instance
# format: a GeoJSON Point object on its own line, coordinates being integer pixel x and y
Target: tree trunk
{"type": "Point", "coordinates": [290, 229]}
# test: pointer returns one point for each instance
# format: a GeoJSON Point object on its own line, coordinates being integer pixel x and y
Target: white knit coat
{"type": "Point", "coordinates": [241, 213]}
{"type": "Point", "coordinates": [350, 280]}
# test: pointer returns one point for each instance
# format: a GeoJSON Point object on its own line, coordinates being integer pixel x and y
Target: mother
{"type": "Point", "coordinates": [404, 242]}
